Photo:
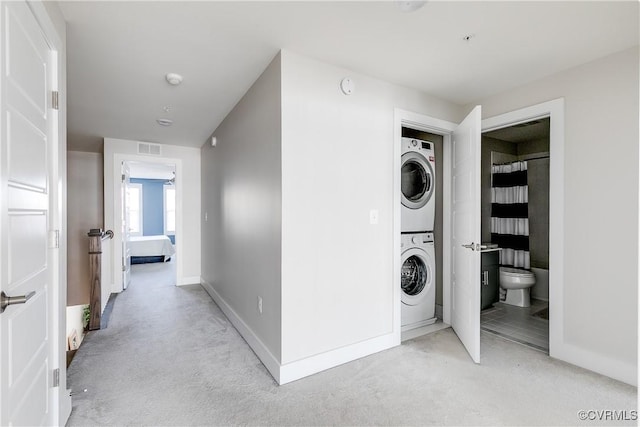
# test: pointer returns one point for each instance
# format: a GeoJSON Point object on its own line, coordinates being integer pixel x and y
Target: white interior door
{"type": "Point", "coordinates": [465, 291]}
{"type": "Point", "coordinates": [126, 229]}
{"type": "Point", "coordinates": [26, 270]}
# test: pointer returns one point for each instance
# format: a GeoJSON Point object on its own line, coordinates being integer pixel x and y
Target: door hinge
{"type": "Point", "coordinates": [54, 239]}
{"type": "Point", "coordinates": [54, 100]}
{"type": "Point", "coordinates": [56, 377]}
{"type": "Point", "coordinates": [123, 177]}
{"type": "Point", "coordinates": [124, 266]}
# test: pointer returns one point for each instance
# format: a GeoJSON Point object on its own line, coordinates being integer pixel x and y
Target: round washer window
{"type": "Point", "coordinates": [415, 182]}
{"type": "Point", "coordinates": [414, 275]}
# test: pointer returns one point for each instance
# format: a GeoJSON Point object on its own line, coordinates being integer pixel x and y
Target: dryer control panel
{"type": "Point", "coordinates": [418, 143]}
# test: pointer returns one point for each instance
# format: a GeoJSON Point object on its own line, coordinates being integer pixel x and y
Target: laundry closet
{"type": "Point", "coordinates": [421, 231]}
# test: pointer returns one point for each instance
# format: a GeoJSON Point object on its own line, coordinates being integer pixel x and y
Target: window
{"type": "Point", "coordinates": [134, 203]}
{"type": "Point", "coordinates": [169, 210]}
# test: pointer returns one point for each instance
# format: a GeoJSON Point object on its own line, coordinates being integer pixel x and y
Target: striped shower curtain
{"type": "Point", "coordinates": [510, 213]}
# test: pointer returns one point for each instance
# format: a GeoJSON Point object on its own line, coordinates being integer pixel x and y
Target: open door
{"type": "Point", "coordinates": [28, 245]}
{"type": "Point", "coordinates": [126, 229]}
{"type": "Point", "coordinates": [465, 290]}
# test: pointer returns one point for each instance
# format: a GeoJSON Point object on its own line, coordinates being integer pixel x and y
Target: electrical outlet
{"type": "Point", "coordinates": [260, 305]}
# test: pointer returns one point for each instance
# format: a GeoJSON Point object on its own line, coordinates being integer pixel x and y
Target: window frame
{"type": "Point", "coordinates": [165, 188]}
{"type": "Point", "coordinates": [140, 189]}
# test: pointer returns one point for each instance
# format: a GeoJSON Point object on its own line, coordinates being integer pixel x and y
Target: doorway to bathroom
{"type": "Point", "coordinates": [515, 184]}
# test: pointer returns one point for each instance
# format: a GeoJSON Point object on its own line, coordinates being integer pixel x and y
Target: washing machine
{"type": "Point", "coordinates": [418, 280]}
{"type": "Point", "coordinates": [418, 183]}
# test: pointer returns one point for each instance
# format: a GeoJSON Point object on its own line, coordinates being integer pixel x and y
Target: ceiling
{"type": "Point", "coordinates": [119, 52]}
{"type": "Point", "coordinates": [523, 132]}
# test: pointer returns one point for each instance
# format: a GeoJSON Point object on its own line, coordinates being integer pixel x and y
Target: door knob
{"type": "Point", "coordinates": [6, 301]}
{"type": "Point", "coordinates": [475, 246]}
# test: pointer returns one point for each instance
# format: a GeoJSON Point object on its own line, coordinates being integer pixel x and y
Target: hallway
{"type": "Point", "coordinates": [170, 357]}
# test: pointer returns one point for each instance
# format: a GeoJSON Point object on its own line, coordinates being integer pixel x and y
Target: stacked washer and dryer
{"type": "Point", "coordinates": [418, 279]}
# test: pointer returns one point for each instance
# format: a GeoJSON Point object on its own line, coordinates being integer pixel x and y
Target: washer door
{"type": "Point", "coordinates": [416, 276]}
{"type": "Point", "coordinates": [417, 180]}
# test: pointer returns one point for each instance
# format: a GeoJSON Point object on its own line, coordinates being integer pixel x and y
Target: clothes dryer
{"type": "Point", "coordinates": [418, 183]}
{"type": "Point", "coordinates": [418, 280]}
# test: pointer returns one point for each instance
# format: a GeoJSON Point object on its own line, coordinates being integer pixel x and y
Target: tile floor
{"type": "Point", "coordinates": [518, 324]}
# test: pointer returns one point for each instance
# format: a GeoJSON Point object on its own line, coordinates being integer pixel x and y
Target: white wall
{"type": "Point", "coordinates": [85, 211]}
{"type": "Point", "coordinates": [188, 190]}
{"type": "Point", "coordinates": [337, 165]}
{"type": "Point", "coordinates": [600, 293]}
{"type": "Point", "coordinates": [241, 181]}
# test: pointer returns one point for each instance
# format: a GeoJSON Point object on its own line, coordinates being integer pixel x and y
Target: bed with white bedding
{"type": "Point", "coordinates": [150, 249]}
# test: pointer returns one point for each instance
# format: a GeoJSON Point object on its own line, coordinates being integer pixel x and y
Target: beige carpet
{"type": "Point", "coordinates": [170, 357]}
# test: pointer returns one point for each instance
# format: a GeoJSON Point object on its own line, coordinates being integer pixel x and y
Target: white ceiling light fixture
{"type": "Point", "coordinates": [174, 79]}
{"type": "Point", "coordinates": [164, 122]}
{"type": "Point", "coordinates": [409, 5]}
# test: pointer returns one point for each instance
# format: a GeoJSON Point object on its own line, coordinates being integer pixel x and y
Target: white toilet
{"type": "Point", "coordinates": [517, 282]}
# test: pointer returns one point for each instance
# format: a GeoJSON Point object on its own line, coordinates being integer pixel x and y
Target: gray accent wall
{"type": "Point", "coordinates": [241, 208]}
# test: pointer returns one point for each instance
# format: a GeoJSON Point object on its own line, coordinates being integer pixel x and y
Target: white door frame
{"type": "Point", "coordinates": [118, 158]}
{"type": "Point", "coordinates": [58, 212]}
{"type": "Point", "coordinates": [555, 110]}
{"type": "Point", "coordinates": [403, 118]}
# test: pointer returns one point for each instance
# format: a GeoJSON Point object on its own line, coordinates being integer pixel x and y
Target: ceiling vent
{"type": "Point", "coordinates": [149, 149]}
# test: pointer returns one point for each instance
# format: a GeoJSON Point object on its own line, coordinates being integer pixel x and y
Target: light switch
{"type": "Point", "coordinates": [373, 216]}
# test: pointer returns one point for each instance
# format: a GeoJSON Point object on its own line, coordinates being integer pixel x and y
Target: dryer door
{"type": "Point", "coordinates": [416, 276]}
{"type": "Point", "coordinates": [417, 180]}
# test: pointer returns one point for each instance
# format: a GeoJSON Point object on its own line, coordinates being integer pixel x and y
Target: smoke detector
{"type": "Point", "coordinates": [174, 79]}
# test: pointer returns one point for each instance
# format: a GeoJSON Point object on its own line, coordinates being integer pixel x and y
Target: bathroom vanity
{"type": "Point", "coordinates": [489, 269]}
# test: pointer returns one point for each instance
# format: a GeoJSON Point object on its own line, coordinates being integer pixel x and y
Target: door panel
{"type": "Point", "coordinates": [34, 396]}
{"type": "Point", "coordinates": [26, 396]}
{"type": "Point", "coordinates": [27, 153]}
{"type": "Point", "coordinates": [25, 323]}
{"type": "Point", "coordinates": [27, 235]}
{"type": "Point", "coordinates": [465, 292]}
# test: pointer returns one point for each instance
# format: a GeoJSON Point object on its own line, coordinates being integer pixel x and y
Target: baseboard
{"type": "Point", "coordinates": [190, 280]}
{"type": "Point", "coordinates": [258, 347]}
{"type": "Point", "coordinates": [616, 369]}
{"type": "Point", "coordinates": [296, 370]}
{"type": "Point", "coordinates": [318, 363]}
{"type": "Point", "coordinates": [418, 332]}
